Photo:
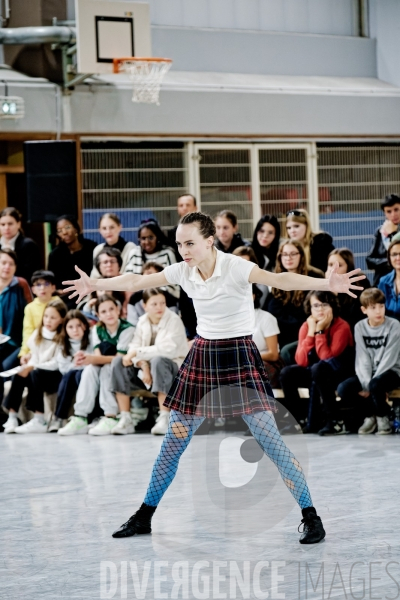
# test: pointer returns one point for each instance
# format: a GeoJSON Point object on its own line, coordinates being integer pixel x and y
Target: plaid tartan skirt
{"type": "Point", "coordinates": [221, 378]}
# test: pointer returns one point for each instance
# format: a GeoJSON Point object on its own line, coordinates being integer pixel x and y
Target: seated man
{"type": "Point", "coordinates": [377, 364]}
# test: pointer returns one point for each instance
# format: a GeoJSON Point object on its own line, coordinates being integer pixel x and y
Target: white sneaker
{"type": "Point", "coordinates": [104, 426]}
{"type": "Point", "coordinates": [11, 424]}
{"type": "Point", "coordinates": [54, 425]}
{"type": "Point", "coordinates": [75, 426]}
{"type": "Point", "coordinates": [368, 426]}
{"type": "Point", "coordinates": [384, 427]}
{"type": "Point", "coordinates": [162, 422]}
{"type": "Point", "coordinates": [219, 422]}
{"type": "Point", "coordinates": [138, 415]}
{"type": "Point", "coordinates": [32, 426]}
{"type": "Point", "coordinates": [95, 422]}
{"type": "Point", "coordinates": [124, 426]}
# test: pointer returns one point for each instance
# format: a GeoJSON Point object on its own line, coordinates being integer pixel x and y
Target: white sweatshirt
{"type": "Point", "coordinates": [43, 355]}
{"type": "Point", "coordinates": [66, 363]}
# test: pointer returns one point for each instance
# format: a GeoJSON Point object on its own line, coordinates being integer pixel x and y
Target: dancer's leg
{"type": "Point", "coordinates": [263, 427]}
{"type": "Point", "coordinates": [180, 431]}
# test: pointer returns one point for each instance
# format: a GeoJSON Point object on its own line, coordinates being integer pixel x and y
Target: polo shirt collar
{"type": "Point", "coordinates": [195, 274]}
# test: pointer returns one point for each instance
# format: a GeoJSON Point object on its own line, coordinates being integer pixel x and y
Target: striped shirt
{"type": "Point", "coordinates": [164, 257]}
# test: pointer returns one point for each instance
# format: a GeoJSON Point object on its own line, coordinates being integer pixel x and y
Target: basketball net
{"type": "Point", "coordinates": [146, 75]}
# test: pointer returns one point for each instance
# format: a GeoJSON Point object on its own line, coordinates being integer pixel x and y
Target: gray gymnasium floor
{"type": "Point", "coordinates": [227, 527]}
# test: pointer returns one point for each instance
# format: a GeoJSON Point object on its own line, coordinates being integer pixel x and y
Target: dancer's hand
{"type": "Point", "coordinates": [342, 284]}
{"type": "Point", "coordinates": [80, 287]}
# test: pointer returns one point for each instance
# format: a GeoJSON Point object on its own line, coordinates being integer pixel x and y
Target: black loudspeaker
{"type": "Point", "coordinates": [51, 185]}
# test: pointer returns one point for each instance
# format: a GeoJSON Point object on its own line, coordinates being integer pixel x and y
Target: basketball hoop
{"type": "Point", "coordinates": [146, 75]}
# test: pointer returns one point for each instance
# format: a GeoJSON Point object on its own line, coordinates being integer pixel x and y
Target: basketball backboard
{"type": "Point", "coordinates": [108, 30]}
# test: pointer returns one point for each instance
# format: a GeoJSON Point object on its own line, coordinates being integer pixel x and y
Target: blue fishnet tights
{"type": "Point", "coordinates": [263, 427]}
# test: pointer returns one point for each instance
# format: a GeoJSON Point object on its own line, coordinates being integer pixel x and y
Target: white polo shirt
{"type": "Point", "coordinates": [224, 302]}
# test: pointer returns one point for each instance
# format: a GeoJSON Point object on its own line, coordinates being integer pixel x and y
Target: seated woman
{"type": "Point", "coordinates": [288, 307]}
{"type": "Point", "coordinates": [324, 357]}
{"type": "Point", "coordinates": [265, 338]}
{"type": "Point", "coordinates": [350, 308]}
{"type": "Point", "coordinates": [158, 349]}
{"type": "Point", "coordinates": [316, 245]}
{"type": "Point", "coordinates": [390, 284]}
{"type": "Point", "coordinates": [136, 305]}
{"type": "Point", "coordinates": [265, 242]}
{"type": "Point", "coordinates": [227, 236]}
{"type": "Point", "coordinates": [12, 237]}
{"type": "Point", "coordinates": [72, 249]}
{"type": "Point", "coordinates": [110, 228]}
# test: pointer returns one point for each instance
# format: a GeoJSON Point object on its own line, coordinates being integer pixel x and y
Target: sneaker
{"type": "Point", "coordinates": [139, 523]}
{"type": "Point", "coordinates": [368, 426]}
{"type": "Point", "coordinates": [54, 425]}
{"type": "Point", "coordinates": [384, 427]}
{"type": "Point", "coordinates": [162, 422]}
{"type": "Point", "coordinates": [333, 428]}
{"type": "Point", "coordinates": [11, 424]}
{"type": "Point", "coordinates": [219, 422]}
{"type": "Point", "coordinates": [396, 426]}
{"type": "Point", "coordinates": [95, 422]}
{"type": "Point", "coordinates": [32, 426]}
{"type": "Point", "coordinates": [138, 415]}
{"type": "Point", "coordinates": [291, 428]}
{"type": "Point", "coordinates": [313, 530]}
{"type": "Point", "coordinates": [124, 425]}
{"type": "Point", "coordinates": [104, 426]}
{"type": "Point", "coordinates": [75, 426]}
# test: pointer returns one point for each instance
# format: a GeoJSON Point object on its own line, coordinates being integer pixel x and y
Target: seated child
{"type": "Point", "coordinates": [377, 364]}
{"type": "Point", "coordinates": [74, 345]}
{"type": "Point", "coordinates": [40, 374]}
{"type": "Point", "coordinates": [111, 336]}
{"type": "Point", "coordinates": [158, 348]}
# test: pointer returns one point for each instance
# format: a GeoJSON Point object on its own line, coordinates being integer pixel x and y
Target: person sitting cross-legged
{"type": "Point", "coordinates": [158, 348]}
{"type": "Point", "coordinates": [377, 364]}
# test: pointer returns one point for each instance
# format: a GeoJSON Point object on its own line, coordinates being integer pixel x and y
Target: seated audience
{"type": "Point", "coordinates": [377, 364]}
{"type": "Point", "coordinates": [377, 258]}
{"type": "Point", "coordinates": [12, 237]}
{"type": "Point", "coordinates": [110, 228]}
{"type": "Point", "coordinates": [43, 288]}
{"type": "Point", "coordinates": [317, 246]}
{"type": "Point", "coordinates": [247, 253]}
{"type": "Point", "coordinates": [108, 263]}
{"type": "Point", "coordinates": [265, 337]}
{"type": "Point", "coordinates": [15, 295]}
{"type": "Point", "coordinates": [74, 345]}
{"type": "Point", "coordinates": [265, 242]}
{"type": "Point", "coordinates": [288, 307]}
{"type": "Point", "coordinates": [158, 349]}
{"type": "Point", "coordinates": [153, 247]}
{"type": "Point", "coordinates": [390, 284]}
{"type": "Point", "coordinates": [227, 236]}
{"type": "Point", "coordinates": [324, 358]}
{"type": "Point", "coordinates": [40, 374]}
{"type": "Point", "coordinates": [72, 249]}
{"type": "Point", "coordinates": [136, 305]}
{"type": "Point", "coordinates": [350, 309]}
{"type": "Point", "coordinates": [111, 336]}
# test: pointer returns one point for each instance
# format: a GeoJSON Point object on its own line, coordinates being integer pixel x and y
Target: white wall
{"type": "Point", "coordinates": [385, 27]}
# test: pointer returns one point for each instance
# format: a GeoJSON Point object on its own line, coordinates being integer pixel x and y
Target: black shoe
{"type": "Point", "coordinates": [139, 523]}
{"type": "Point", "coordinates": [313, 530]}
{"type": "Point", "coordinates": [333, 428]}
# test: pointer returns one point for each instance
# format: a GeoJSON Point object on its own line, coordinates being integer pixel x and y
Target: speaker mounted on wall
{"type": "Point", "coordinates": [51, 182]}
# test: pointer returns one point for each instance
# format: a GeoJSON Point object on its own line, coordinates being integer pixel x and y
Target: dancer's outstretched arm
{"type": "Point", "coordinates": [339, 284]}
{"type": "Point", "coordinates": [129, 282]}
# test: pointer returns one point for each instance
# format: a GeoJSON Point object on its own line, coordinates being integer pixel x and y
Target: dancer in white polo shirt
{"type": "Point", "coordinates": [222, 356]}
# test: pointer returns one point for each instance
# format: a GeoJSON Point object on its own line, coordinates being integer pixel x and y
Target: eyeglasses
{"type": "Point", "coordinates": [289, 254]}
{"type": "Point", "coordinates": [395, 255]}
{"type": "Point", "coordinates": [66, 229]}
{"type": "Point", "coordinates": [150, 238]}
{"type": "Point", "coordinates": [296, 213]}
{"type": "Point", "coordinates": [318, 305]}
{"type": "Point", "coordinates": [110, 261]}
{"type": "Point", "coordinates": [44, 284]}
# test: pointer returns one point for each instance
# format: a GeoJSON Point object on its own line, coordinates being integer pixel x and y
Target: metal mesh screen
{"type": "Point", "coordinates": [283, 180]}
{"type": "Point", "coordinates": [225, 183]}
{"type": "Point", "coordinates": [135, 183]}
{"type": "Point", "coordinates": [352, 181]}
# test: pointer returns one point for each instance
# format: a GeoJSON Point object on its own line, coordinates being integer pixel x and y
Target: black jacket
{"type": "Point", "coordinates": [377, 257]}
{"type": "Point", "coordinates": [320, 249]}
{"type": "Point", "coordinates": [236, 242]}
{"type": "Point", "coordinates": [29, 259]}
